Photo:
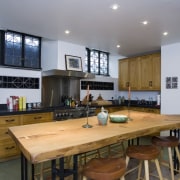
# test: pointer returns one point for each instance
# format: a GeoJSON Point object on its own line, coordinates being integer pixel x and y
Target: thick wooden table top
{"type": "Point", "coordinates": [47, 141]}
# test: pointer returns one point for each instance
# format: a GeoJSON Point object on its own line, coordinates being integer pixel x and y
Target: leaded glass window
{"type": "Point", "coordinates": [21, 50]}
{"type": "Point", "coordinates": [97, 62]}
{"type": "Point", "coordinates": [31, 52]}
{"type": "Point", "coordinates": [13, 49]}
{"type": "Point", "coordinates": [94, 62]}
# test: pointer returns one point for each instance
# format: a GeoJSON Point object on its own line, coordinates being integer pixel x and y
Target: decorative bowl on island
{"type": "Point", "coordinates": [118, 118]}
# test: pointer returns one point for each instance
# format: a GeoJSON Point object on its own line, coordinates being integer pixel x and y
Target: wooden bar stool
{"type": "Point", "coordinates": [104, 169]}
{"type": "Point", "coordinates": [144, 153]}
{"type": "Point", "coordinates": [168, 142]}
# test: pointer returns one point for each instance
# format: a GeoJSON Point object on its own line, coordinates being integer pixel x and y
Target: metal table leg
{"type": "Point", "coordinates": [24, 173]}
{"type": "Point", "coordinates": [53, 169]}
{"type": "Point", "coordinates": [61, 172]}
{"type": "Point", "coordinates": [176, 133]}
{"type": "Point", "coordinates": [75, 167]}
{"type": "Point", "coordinates": [32, 172]}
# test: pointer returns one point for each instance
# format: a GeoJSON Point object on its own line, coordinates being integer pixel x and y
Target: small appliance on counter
{"type": "Point", "coordinates": [158, 100]}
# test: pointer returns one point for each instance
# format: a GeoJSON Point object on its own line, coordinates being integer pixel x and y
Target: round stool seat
{"type": "Point", "coordinates": [143, 152]}
{"type": "Point", "coordinates": [165, 141]}
{"type": "Point", "coordinates": [105, 168]}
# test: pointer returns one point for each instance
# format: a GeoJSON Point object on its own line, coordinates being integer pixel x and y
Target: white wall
{"type": "Point", "coordinates": [170, 62]}
{"type": "Point", "coordinates": [53, 54]}
{"type": "Point", "coordinates": [32, 95]}
{"type": "Point", "coordinates": [61, 48]}
{"type": "Point", "coordinates": [49, 54]}
{"type": "Point", "coordinates": [65, 48]}
{"type": "Point", "coordinates": [53, 57]}
{"type": "Point", "coordinates": [113, 72]}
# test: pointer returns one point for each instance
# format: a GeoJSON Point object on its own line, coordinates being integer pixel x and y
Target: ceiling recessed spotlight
{"type": "Point", "coordinates": [145, 22]}
{"type": "Point", "coordinates": [115, 6]}
{"type": "Point", "coordinates": [118, 46]}
{"type": "Point", "coordinates": [67, 31]}
{"type": "Point", "coordinates": [165, 33]}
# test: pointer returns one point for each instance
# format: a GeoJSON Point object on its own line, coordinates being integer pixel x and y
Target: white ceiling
{"type": "Point", "coordinates": [95, 25]}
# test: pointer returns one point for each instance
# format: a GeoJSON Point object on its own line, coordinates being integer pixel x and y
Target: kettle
{"type": "Point", "coordinates": [102, 117]}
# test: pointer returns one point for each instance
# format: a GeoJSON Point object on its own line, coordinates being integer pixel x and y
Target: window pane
{"type": "Point", "coordinates": [86, 61]}
{"type": "Point", "coordinates": [31, 52]}
{"type": "Point", "coordinates": [94, 62]}
{"type": "Point", "coordinates": [13, 49]}
{"type": "Point", "coordinates": [103, 63]}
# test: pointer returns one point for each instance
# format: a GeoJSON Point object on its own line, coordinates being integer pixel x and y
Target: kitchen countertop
{"type": "Point", "coordinates": [4, 111]}
{"type": "Point", "coordinates": [7, 112]}
{"type": "Point", "coordinates": [34, 139]}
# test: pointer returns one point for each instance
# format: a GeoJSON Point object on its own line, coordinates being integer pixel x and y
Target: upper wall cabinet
{"type": "Point", "coordinates": [141, 73]}
{"type": "Point", "coordinates": [123, 74]}
{"type": "Point", "coordinates": [150, 72]}
{"type": "Point", "coordinates": [134, 73]}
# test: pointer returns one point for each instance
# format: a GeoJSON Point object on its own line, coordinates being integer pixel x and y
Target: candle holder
{"type": "Point", "coordinates": [129, 111]}
{"type": "Point", "coordinates": [87, 125]}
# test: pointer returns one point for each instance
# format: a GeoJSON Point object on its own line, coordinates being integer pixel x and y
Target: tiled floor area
{"type": "Point", "coordinates": [10, 170]}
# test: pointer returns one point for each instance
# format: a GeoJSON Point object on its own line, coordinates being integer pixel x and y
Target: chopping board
{"type": "Point", "coordinates": [98, 102]}
{"type": "Point", "coordinates": [101, 102]}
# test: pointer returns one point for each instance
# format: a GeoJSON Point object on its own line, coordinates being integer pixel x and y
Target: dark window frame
{"type": "Point", "coordinates": [2, 50]}
{"type": "Point", "coordinates": [88, 51]}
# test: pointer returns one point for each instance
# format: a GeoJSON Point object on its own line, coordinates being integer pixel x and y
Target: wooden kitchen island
{"type": "Point", "coordinates": [54, 140]}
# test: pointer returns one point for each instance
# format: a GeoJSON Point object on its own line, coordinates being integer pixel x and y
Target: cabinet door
{"type": "Point", "coordinates": [146, 72]}
{"type": "Point", "coordinates": [36, 118]}
{"type": "Point", "coordinates": [8, 148]}
{"type": "Point", "coordinates": [151, 72]}
{"type": "Point", "coordinates": [123, 74]}
{"type": "Point", "coordinates": [134, 73]}
{"type": "Point", "coordinates": [156, 71]}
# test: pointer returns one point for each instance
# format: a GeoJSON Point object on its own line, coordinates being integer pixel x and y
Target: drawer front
{"type": "Point", "coordinates": [9, 120]}
{"type": "Point", "coordinates": [4, 132]}
{"type": "Point", "coordinates": [36, 118]}
{"type": "Point", "coordinates": [8, 149]}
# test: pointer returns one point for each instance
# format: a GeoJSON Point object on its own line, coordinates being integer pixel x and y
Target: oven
{"type": "Point", "coordinates": [73, 113]}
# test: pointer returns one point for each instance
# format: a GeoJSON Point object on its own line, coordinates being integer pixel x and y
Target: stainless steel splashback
{"type": "Point", "coordinates": [53, 88]}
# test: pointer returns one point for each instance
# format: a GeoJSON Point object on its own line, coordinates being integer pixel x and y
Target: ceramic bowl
{"type": "Point", "coordinates": [118, 118]}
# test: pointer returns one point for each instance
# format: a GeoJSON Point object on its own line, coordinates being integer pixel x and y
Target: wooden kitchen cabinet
{"type": "Point", "coordinates": [145, 109]}
{"type": "Point", "coordinates": [150, 72]}
{"type": "Point", "coordinates": [141, 73]}
{"type": "Point", "coordinates": [123, 74]}
{"type": "Point", "coordinates": [8, 147]}
{"type": "Point", "coordinates": [134, 73]}
{"type": "Point", "coordinates": [36, 118]}
{"type": "Point", "coordinates": [129, 73]}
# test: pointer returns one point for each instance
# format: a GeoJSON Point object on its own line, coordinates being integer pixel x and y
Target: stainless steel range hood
{"type": "Point", "coordinates": [66, 73]}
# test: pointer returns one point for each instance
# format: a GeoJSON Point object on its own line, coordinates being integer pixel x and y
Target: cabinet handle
{"type": "Point", "coordinates": [127, 84]}
{"type": "Point", "coordinates": [150, 83]}
{"type": "Point", "coordinates": [9, 148]}
{"type": "Point", "coordinates": [39, 117]}
{"type": "Point", "coordinates": [10, 120]}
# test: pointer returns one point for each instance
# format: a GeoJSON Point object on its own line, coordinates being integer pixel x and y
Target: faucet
{"type": "Point", "coordinates": [138, 101]}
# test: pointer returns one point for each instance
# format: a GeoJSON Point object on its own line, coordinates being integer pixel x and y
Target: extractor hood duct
{"type": "Point", "coordinates": [67, 73]}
